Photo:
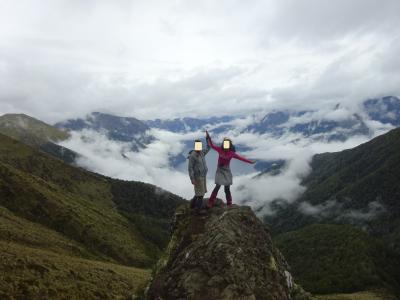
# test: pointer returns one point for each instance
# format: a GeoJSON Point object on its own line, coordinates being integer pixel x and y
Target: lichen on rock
{"type": "Point", "coordinates": [226, 253]}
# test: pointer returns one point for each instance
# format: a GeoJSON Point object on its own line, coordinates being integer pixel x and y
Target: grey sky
{"type": "Point", "coordinates": [62, 59]}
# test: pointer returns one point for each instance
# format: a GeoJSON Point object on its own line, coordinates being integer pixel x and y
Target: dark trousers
{"type": "Point", "coordinates": [196, 202]}
{"type": "Point", "coordinates": [215, 193]}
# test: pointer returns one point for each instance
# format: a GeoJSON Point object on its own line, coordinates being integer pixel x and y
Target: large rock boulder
{"type": "Point", "coordinates": [225, 253]}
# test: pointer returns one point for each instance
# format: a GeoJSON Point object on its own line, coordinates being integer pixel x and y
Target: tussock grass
{"type": "Point", "coordinates": [31, 273]}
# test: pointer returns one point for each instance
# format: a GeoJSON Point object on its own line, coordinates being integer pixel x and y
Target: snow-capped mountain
{"type": "Point", "coordinates": [124, 129]}
{"type": "Point", "coordinates": [336, 124]}
{"type": "Point", "coordinates": [187, 124]}
{"type": "Point", "coordinates": [385, 110]}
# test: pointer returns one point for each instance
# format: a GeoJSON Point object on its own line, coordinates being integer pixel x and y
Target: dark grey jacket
{"type": "Point", "coordinates": [197, 166]}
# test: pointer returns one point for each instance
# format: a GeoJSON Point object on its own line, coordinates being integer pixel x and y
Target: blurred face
{"type": "Point", "coordinates": [227, 145]}
{"type": "Point", "coordinates": [198, 146]}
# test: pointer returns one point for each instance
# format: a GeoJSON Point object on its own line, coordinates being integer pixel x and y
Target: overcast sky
{"type": "Point", "coordinates": [147, 59]}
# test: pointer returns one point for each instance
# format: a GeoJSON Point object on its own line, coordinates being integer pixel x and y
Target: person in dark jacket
{"type": "Point", "coordinates": [197, 168]}
{"type": "Point", "coordinates": [223, 175]}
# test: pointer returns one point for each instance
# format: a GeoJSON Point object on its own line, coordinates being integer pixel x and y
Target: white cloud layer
{"type": "Point", "coordinates": [116, 159]}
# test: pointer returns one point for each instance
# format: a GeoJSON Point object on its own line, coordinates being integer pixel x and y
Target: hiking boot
{"type": "Point", "coordinates": [211, 200]}
{"type": "Point", "coordinates": [229, 200]}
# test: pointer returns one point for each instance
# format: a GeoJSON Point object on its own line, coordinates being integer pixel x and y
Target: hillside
{"type": "Point", "coordinates": [38, 134]}
{"type": "Point", "coordinates": [30, 130]}
{"type": "Point", "coordinates": [338, 258]}
{"type": "Point", "coordinates": [58, 220]}
{"type": "Point", "coordinates": [358, 187]}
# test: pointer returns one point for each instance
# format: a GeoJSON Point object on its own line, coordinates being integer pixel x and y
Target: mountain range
{"type": "Point", "coordinates": [64, 229]}
{"type": "Point", "coordinates": [337, 123]}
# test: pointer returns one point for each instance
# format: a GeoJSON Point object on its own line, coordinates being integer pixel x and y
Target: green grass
{"type": "Point", "coordinates": [364, 295]}
{"type": "Point", "coordinates": [85, 206]}
{"type": "Point", "coordinates": [30, 130]}
{"type": "Point", "coordinates": [101, 229]}
{"type": "Point", "coordinates": [31, 273]}
{"type": "Point", "coordinates": [353, 179]}
{"type": "Point", "coordinates": [37, 134]}
{"type": "Point", "coordinates": [336, 258]}
{"type": "Point", "coordinates": [14, 229]}
{"type": "Point", "coordinates": [56, 215]}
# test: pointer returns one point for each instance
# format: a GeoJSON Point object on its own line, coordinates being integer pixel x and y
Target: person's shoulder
{"type": "Point", "coordinates": [191, 153]}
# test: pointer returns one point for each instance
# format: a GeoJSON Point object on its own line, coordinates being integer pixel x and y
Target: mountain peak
{"type": "Point", "coordinates": [30, 130]}
{"type": "Point", "coordinates": [125, 129]}
{"type": "Point", "coordinates": [225, 254]}
{"type": "Point", "coordinates": [14, 118]}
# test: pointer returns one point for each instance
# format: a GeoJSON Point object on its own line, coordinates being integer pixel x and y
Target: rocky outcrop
{"type": "Point", "coordinates": [225, 253]}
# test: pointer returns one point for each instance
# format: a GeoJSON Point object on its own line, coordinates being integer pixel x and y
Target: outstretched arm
{"type": "Point", "coordinates": [237, 156]}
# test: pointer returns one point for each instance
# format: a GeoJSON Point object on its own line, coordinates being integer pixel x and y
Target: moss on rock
{"type": "Point", "coordinates": [226, 253]}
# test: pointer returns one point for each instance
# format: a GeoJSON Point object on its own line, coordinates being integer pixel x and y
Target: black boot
{"type": "Point", "coordinates": [193, 202]}
{"type": "Point", "coordinates": [199, 202]}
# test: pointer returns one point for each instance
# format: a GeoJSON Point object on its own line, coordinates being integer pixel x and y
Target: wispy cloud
{"type": "Point", "coordinates": [152, 164]}
{"type": "Point", "coordinates": [335, 210]}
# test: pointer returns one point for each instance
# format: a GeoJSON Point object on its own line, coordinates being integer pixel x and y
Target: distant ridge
{"type": "Point", "coordinates": [38, 134]}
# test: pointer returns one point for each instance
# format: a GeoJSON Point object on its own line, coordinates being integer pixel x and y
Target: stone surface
{"type": "Point", "coordinates": [225, 253]}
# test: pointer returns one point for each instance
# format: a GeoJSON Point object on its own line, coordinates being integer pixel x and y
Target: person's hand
{"type": "Point", "coordinates": [253, 162]}
{"type": "Point", "coordinates": [193, 181]}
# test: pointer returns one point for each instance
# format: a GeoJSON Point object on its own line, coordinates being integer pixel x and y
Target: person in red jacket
{"type": "Point", "coordinates": [223, 175]}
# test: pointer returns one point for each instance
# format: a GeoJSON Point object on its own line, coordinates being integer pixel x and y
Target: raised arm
{"type": "Point", "coordinates": [205, 151]}
{"type": "Point", "coordinates": [211, 144]}
{"type": "Point", "coordinates": [237, 156]}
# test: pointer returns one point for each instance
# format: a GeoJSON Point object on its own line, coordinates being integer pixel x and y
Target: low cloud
{"type": "Point", "coordinates": [332, 209]}
{"type": "Point", "coordinates": [297, 151]}
{"type": "Point", "coordinates": [152, 164]}
{"type": "Point", "coordinates": [117, 160]}
{"type": "Point", "coordinates": [259, 192]}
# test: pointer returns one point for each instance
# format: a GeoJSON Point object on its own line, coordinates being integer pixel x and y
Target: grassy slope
{"type": "Point", "coordinates": [28, 129]}
{"type": "Point", "coordinates": [25, 128]}
{"type": "Point", "coordinates": [38, 134]}
{"type": "Point", "coordinates": [14, 229]}
{"type": "Point", "coordinates": [69, 219]}
{"type": "Point", "coordinates": [89, 221]}
{"type": "Point", "coordinates": [33, 273]}
{"type": "Point", "coordinates": [39, 262]}
{"type": "Point", "coordinates": [365, 295]}
{"type": "Point", "coordinates": [369, 172]}
{"type": "Point", "coordinates": [337, 258]}
{"type": "Point", "coordinates": [354, 177]}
